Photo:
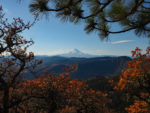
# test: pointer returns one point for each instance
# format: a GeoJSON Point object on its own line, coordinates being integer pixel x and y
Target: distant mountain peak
{"type": "Point", "coordinates": [77, 53]}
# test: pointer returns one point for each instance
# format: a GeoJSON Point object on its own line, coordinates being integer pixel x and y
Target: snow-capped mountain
{"type": "Point", "coordinates": [77, 53]}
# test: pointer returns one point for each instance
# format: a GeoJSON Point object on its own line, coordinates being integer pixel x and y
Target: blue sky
{"type": "Point", "coordinates": [55, 37]}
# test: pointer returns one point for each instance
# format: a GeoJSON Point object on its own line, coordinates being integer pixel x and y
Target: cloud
{"type": "Point", "coordinates": [121, 41]}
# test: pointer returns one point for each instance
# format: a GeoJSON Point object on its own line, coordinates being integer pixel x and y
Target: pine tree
{"type": "Point", "coordinates": [100, 15]}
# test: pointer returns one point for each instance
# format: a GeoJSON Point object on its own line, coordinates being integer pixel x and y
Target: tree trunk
{"type": "Point", "coordinates": [6, 100]}
{"type": "Point", "coordinates": [52, 108]}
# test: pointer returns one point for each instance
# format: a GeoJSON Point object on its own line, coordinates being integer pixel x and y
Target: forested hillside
{"type": "Point", "coordinates": [86, 67]}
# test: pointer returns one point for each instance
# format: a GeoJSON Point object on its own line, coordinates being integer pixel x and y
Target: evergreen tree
{"type": "Point", "coordinates": [100, 15]}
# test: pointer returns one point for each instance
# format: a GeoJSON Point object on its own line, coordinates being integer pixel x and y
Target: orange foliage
{"type": "Point", "coordinates": [139, 107]}
{"type": "Point", "coordinates": [136, 81]}
{"type": "Point", "coordinates": [61, 94]}
{"type": "Point", "coordinates": [138, 69]}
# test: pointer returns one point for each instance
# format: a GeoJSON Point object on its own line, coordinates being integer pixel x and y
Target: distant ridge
{"type": "Point", "coordinates": [87, 67]}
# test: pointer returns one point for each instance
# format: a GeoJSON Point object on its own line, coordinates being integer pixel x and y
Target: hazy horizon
{"type": "Point", "coordinates": [59, 53]}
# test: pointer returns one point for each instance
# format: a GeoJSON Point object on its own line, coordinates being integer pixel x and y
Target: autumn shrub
{"type": "Point", "coordinates": [135, 82]}
{"type": "Point", "coordinates": [60, 94]}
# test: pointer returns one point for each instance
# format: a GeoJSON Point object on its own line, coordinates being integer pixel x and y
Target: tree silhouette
{"type": "Point", "coordinates": [14, 59]}
{"type": "Point", "coordinates": [100, 15]}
